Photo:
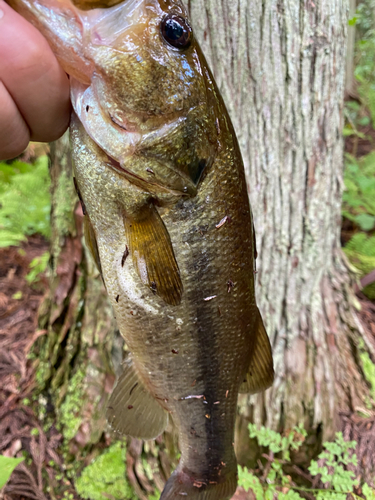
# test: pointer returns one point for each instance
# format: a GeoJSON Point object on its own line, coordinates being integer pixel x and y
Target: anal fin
{"type": "Point", "coordinates": [132, 410]}
{"type": "Point", "coordinates": [260, 374]}
{"type": "Point", "coordinates": [152, 254]}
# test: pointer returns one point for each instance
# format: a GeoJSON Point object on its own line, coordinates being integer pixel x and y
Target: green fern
{"type": "Point", "coordinates": [24, 201]}
{"type": "Point", "coordinates": [358, 198]}
{"type": "Point", "coordinates": [361, 253]}
{"type": "Point", "coordinates": [330, 468]}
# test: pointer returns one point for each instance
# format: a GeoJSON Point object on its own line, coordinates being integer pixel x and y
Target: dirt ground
{"type": "Point", "coordinates": [20, 428]}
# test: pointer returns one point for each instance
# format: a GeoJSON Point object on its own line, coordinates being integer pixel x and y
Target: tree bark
{"type": "Point", "coordinates": [280, 65]}
{"type": "Point", "coordinates": [75, 372]}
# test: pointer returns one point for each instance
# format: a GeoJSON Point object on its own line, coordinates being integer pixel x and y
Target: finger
{"type": "Point", "coordinates": [14, 135]}
{"type": "Point", "coordinates": [33, 77]}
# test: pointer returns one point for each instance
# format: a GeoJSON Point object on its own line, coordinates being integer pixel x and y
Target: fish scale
{"type": "Point", "coordinates": [168, 221]}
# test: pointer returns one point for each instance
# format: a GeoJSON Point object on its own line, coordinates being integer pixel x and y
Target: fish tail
{"type": "Point", "coordinates": [183, 484]}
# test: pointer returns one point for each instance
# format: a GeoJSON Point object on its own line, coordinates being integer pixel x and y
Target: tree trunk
{"type": "Point", "coordinates": [280, 65]}
{"type": "Point", "coordinates": [75, 373]}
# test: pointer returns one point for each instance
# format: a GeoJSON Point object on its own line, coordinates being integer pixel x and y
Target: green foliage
{"type": "Point", "coordinates": [355, 114]}
{"type": "Point", "coordinates": [24, 201]}
{"type": "Point", "coordinates": [105, 477]}
{"type": "Point", "coordinates": [358, 198]}
{"type": "Point", "coordinates": [249, 481]}
{"type": "Point", "coordinates": [7, 466]}
{"type": "Point", "coordinates": [361, 252]}
{"type": "Point", "coordinates": [292, 440]}
{"type": "Point", "coordinates": [37, 266]}
{"type": "Point", "coordinates": [359, 177]}
{"type": "Point", "coordinates": [368, 366]}
{"type": "Point", "coordinates": [330, 468]}
{"type": "Point", "coordinates": [334, 459]}
{"type": "Point", "coordinates": [365, 54]}
{"type": "Point", "coordinates": [359, 207]}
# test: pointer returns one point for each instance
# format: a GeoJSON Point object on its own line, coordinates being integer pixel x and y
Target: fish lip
{"type": "Point", "coordinates": [129, 127]}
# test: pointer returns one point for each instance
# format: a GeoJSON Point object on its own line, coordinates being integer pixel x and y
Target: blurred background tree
{"type": "Point", "coordinates": [281, 69]}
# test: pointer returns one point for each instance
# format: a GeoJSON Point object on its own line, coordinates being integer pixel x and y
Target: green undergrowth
{"type": "Point", "coordinates": [7, 466]}
{"type": "Point", "coordinates": [359, 208]}
{"type": "Point", "coordinates": [37, 266]}
{"type": "Point", "coordinates": [105, 478]}
{"type": "Point", "coordinates": [24, 201]}
{"type": "Point", "coordinates": [332, 471]}
{"type": "Point", "coordinates": [359, 175]}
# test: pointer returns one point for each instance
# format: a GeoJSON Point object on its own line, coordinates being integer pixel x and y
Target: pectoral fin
{"type": "Point", "coordinates": [152, 254]}
{"type": "Point", "coordinates": [260, 374]}
{"type": "Point", "coordinates": [132, 410]}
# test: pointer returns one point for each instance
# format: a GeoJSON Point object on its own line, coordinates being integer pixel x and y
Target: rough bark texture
{"type": "Point", "coordinates": [280, 65]}
{"type": "Point", "coordinates": [75, 373]}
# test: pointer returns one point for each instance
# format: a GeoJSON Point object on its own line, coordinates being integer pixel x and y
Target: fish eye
{"type": "Point", "coordinates": [176, 31]}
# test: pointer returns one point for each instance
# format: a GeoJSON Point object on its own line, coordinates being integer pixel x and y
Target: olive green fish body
{"type": "Point", "coordinates": [168, 221]}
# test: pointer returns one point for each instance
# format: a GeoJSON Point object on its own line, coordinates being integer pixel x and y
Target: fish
{"type": "Point", "coordinates": [167, 219]}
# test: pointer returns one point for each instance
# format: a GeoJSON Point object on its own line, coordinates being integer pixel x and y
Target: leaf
{"type": "Point", "coordinates": [250, 482]}
{"type": "Point", "coordinates": [365, 221]}
{"type": "Point", "coordinates": [346, 132]}
{"type": "Point", "coordinates": [314, 468]}
{"type": "Point", "coordinates": [37, 267]}
{"type": "Point", "coordinates": [369, 493]}
{"type": "Point", "coordinates": [365, 120]}
{"type": "Point", "coordinates": [7, 466]}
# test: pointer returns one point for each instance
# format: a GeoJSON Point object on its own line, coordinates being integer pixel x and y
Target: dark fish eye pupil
{"type": "Point", "coordinates": [176, 31]}
{"type": "Point", "coordinates": [173, 30]}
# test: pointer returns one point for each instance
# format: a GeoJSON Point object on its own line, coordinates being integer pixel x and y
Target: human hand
{"type": "Point", "coordinates": [34, 90]}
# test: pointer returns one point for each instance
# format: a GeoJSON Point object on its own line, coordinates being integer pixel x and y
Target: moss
{"type": "Point", "coordinates": [64, 200]}
{"type": "Point", "coordinates": [105, 477]}
{"type": "Point", "coordinates": [369, 371]}
{"type": "Point", "coordinates": [69, 412]}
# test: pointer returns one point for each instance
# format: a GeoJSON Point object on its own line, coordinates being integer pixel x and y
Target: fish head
{"type": "Point", "coordinates": [140, 86]}
{"type": "Point", "coordinates": [150, 96]}
{"type": "Point", "coordinates": [150, 73]}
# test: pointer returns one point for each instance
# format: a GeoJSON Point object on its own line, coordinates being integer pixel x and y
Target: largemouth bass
{"type": "Point", "coordinates": [168, 221]}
